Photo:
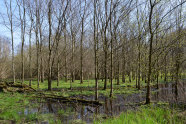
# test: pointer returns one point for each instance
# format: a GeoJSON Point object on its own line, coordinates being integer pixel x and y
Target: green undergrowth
{"type": "Point", "coordinates": [88, 87]}
{"type": "Point", "coordinates": [22, 108]}
{"type": "Point", "coordinates": [16, 107]}
{"type": "Point", "coordinates": [147, 114]}
{"type": "Point", "coordinates": [76, 84]}
{"type": "Point", "coordinates": [90, 91]}
{"type": "Point", "coordinates": [12, 106]}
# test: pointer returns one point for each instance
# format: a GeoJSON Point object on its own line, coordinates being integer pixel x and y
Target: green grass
{"type": "Point", "coordinates": [90, 83]}
{"type": "Point", "coordinates": [66, 112]}
{"type": "Point", "coordinates": [123, 88]}
{"type": "Point", "coordinates": [146, 115]}
{"type": "Point", "coordinates": [12, 108]}
{"type": "Point", "coordinates": [13, 105]}
{"type": "Point", "coordinates": [84, 89]}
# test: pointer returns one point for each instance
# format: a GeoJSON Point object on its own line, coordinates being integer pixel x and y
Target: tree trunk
{"type": "Point", "coordinates": [30, 53]}
{"type": "Point", "coordinates": [123, 62]}
{"type": "Point", "coordinates": [66, 77]}
{"type": "Point", "coordinates": [49, 47]}
{"type": "Point", "coordinates": [150, 54]}
{"type": "Point", "coordinates": [111, 57]}
{"type": "Point", "coordinates": [95, 51]}
{"type": "Point", "coordinates": [81, 51]}
{"type": "Point", "coordinates": [165, 69]}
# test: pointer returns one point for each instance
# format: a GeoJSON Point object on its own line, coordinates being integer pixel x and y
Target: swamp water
{"type": "Point", "coordinates": [68, 112]}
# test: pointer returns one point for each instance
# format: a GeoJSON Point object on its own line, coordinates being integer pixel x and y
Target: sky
{"type": "Point", "coordinates": [4, 31]}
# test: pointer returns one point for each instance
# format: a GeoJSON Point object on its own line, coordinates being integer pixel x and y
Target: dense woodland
{"type": "Point", "coordinates": [108, 40]}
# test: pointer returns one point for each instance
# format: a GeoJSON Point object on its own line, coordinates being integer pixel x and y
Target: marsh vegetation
{"type": "Point", "coordinates": [93, 61]}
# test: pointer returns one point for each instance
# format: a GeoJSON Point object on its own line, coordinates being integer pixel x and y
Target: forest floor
{"type": "Point", "coordinates": [126, 106]}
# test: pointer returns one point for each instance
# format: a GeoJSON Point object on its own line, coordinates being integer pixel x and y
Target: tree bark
{"type": "Point", "coordinates": [95, 52]}
{"type": "Point", "coordinates": [150, 53]}
{"type": "Point", "coordinates": [111, 57]}
{"type": "Point", "coordinates": [49, 46]}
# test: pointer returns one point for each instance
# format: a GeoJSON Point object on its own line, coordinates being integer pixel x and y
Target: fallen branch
{"type": "Point", "coordinates": [67, 99]}
{"type": "Point", "coordinates": [11, 87]}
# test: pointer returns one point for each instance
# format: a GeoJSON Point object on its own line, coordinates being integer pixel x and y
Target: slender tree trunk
{"type": "Point", "coordinates": [72, 73]}
{"type": "Point", "coordinates": [73, 47]}
{"type": "Point", "coordinates": [111, 57]}
{"type": "Point", "coordinates": [72, 61]}
{"type": "Point", "coordinates": [81, 51]}
{"type": "Point", "coordinates": [139, 71]}
{"type": "Point", "coordinates": [66, 78]}
{"type": "Point", "coordinates": [105, 68]}
{"type": "Point", "coordinates": [37, 44]}
{"type": "Point", "coordinates": [139, 47]}
{"type": "Point", "coordinates": [41, 54]}
{"type": "Point", "coordinates": [118, 82]}
{"type": "Point", "coordinates": [10, 17]}
{"type": "Point", "coordinates": [22, 18]}
{"type": "Point", "coordinates": [105, 47]}
{"type": "Point", "coordinates": [157, 79]}
{"type": "Point", "coordinates": [123, 62]}
{"type": "Point", "coordinates": [178, 50]}
{"type": "Point", "coordinates": [129, 75]}
{"type": "Point", "coordinates": [22, 57]}
{"type": "Point", "coordinates": [139, 65]}
{"type": "Point", "coordinates": [165, 69]}
{"type": "Point", "coordinates": [30, 54]}
{"type": "Point", "coordinates": [49, 47]}
{"type": "Point", "coordinates": [41, 44]}
{"type": "Point", "coordinates": [117, 54]}
{"type": "Point", "coordinates": [38, 56]}
{"type": "Point", "coordinates": [58, 77]}
{"type": "Point", "coordinates": [150, 54]}
{"type": "Point", "coordinates": [95, 51]}
{"type": "Point", "coordinates": [111, 67]}
{"type": "Point", "coordinates": [81, 45]}
{"type": "Point", "coordinates": [157, 63]}
{"type": "Point", "coordinates": [13, 66]}
{"type": "Point", "coordinates": [177, 75]}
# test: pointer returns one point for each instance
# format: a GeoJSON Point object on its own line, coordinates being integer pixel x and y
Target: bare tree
{"type": "Point", "coordinates": [139, 46]}
{"type": "Point", "coordinates": [49, 45]}
{"type": "Point", "coordinates": [152, 5]}
{"type": "Point", "coordinates": [22, 17]}
{"type": "Point", "coordinates": [10, 19]}
{"type": "Point", "coordinates": [65, 38]}
{"type": "Point", "coordinates": [111, 57]}
{"type": "Point", "coordinates": [30, 13]}
{"type": "Point", "coordinates": [105, 46]}
{"type": "Point", "coordinates": [178, 47]}
{"type": "Point", "coordinates": [61, 28]}
{"type": "Point", "coordinates": [81, 41]}
{"type": "Point", "coordinates": [95, 52]}
{"type": "Point", "coordinates": [40, 23]}
{"type": "Point", "coordinates": [37, 41]}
